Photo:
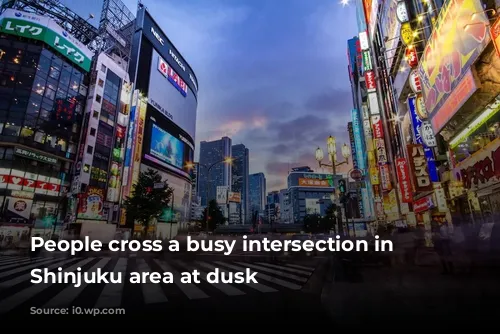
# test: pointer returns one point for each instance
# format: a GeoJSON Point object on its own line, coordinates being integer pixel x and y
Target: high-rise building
{"type": "Point", "coordinates": [212, 156]}
{"type": "Point", "coordinates": [43, 90]}
{"type": "Point", "coordinates": [273, 211]}
{"type": "Point", "coordinates": [240, 175]}
{"type": "Point", "coordinates": [161, 132]}
{"type": "Point", "coordinates": [257, 193]}
{"type": "Point", "coordinates": [284, 206]}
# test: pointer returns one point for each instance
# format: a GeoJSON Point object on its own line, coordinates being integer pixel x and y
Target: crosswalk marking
{"type": "Point", "coordinates": [190, 290]}
{"type": "Point", "coordinates": [298, 266]}
{"type": "Point", "coordinates": [23, 268]}
{"type": "Point", "coordinates": [25, 277]}
{"type": "Point", "coordinates": [258, 286]}
{"type": "Point", "coordinates": [69, 294]}
{"type": "Point", "coordinates": [152, 292]}
{"type": "Point", "coordinates": [111, 295]}
{"type": "Point", "coordinates": [11, 259]}
{"type": "Point", "coordinates": [21, 293]}
{"type": "Point", "coordinates": [17, 299]}
{"type": "Point", "coordinates": [225, 288]}
{"type": "Point", "coordinates": [15, 263]}
{"type": "Point", "coordinates": [293, 270]}
{"type": "Point", "coordinates": [265, 277]}
{"type": "Point", "coordinates": [272, 271]}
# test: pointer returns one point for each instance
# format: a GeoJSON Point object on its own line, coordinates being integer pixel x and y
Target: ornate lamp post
{"type": "Point", "coordinates": [331, 146]}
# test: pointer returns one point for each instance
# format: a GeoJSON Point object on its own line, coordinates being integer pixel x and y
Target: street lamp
{"type": "Point", "coordinates": [208, 168]}
{"type": "Point", "coordinates": [331, 146]}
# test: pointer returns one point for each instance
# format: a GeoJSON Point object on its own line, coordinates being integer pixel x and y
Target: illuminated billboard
{"type": "Point", "coordinates": [166, 147]}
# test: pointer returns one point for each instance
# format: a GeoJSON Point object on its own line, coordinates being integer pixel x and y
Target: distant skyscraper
{"type": "Point", "coordinates": [212, 153]}
{"type": "Point", "coordinates": [240, 177]}
{"type": "Point", "coordinates": [257, 192]}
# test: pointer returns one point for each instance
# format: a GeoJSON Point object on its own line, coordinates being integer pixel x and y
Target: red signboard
{"type": "Point", "coordinates": [404, 180]}
{"type": "Point", "coordinates": [370, 81]}
{"type": "Point", "coordinates": [378, 130]}
{"type": "Point", "coordinates": [411, 57]}
{"type": "Point", "coordinates": [419, 168]}
{"type": "Point", "coordinates": [423, 204]}
{"type": "Point", "coordinates": [19, 182]}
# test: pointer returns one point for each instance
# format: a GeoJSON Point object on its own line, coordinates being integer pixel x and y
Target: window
{"type": "Point", "coordinates": [39, 137]}
{"type": "Point", "coordinates": [95, 114]}
{"type": "Point", "coordinates": [11, 129]}
{"type": "Point", "coordinates": [92, 132]}
{"type": "Point", "coordinates": [44, 64]}
{"type": "Point", "coordinates": [101, 83]}
{"type": "Point", "coordinates": [90, 149]}
{"type": "Point", "coordinates": [103, 68]}
{"type": "Point", "coordinates": [98, 98]}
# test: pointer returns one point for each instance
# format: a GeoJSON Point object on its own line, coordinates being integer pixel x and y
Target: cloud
{"type": "Point", "coordinates": [338, 101]}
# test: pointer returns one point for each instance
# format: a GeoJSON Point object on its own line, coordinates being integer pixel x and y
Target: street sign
{"type": "Point", "coordinates": [356, 174]}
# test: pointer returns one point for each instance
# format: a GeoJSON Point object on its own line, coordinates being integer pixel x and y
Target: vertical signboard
{"type": "Point", "coordinates": [358, 140]}
{"type": "Point", "coordinates": [419, 168]}
{"type": "Point", "coordinates": [353, 145]}
{"type": "Point", "coordinates": [390, 30]}
{"type": "Point", "coordinates": [404, 180]}
{"type": "Point", "coordinates": [417, 132]}
{"type": "Point", "coordinates": [141, 120]}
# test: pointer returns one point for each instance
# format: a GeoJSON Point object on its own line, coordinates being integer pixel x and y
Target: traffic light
{"type": "Point", "coordinates": [342, 186]}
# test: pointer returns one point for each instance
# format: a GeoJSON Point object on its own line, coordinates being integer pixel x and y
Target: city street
{"type": "Point", "coordinates": [281, 287]}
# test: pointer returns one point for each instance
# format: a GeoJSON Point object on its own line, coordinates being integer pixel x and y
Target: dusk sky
{"type": "Point", "coordinates": [272, 73]}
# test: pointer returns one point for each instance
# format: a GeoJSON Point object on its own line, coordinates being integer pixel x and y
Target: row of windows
{"type": "Point", "coordinates": [9, 160]}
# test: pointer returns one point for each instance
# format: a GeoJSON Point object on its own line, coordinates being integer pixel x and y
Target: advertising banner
{"type": "Point", "coordinates": [417, 135]}
{"type": "Point", "coordinates": [139, 135]}
{"type": "Point", "coordinates": [372, 17]}
{"type": "Point", "coordinates": [481, 169]}
{"type": "Point", "coordinates": [234, 197]}
{"type": "Point", "coordinates": [373, 102]}
{"type": "Point", "coordinates": [423, 204]}
{"type": "Point", "coordinates": [166, 147]}
{"type": "Point", "coordinates": [353, 145]}
{"type": "Point", "coordinates": [129, 150]}
{"type": "Point", "coordinates": [91, 204]}
{"type": "Point", "coordinates": [29, 25]}
{"type": "Point", "coordinates": [495, 35]}
{"type": "Point", "coordinates": [390, 30]}
{"type": "Point", "coordinates": [381, 152]}
{"type": "Point", "coordinates": [385, 177]}
{"type": "Point", "coordinates": [358, 139]}
{"type": "Point", "coordinates": [404, 180]}
{"type": "Point", "coordinates": [360, 15]}
{"type": "Point", "coordinates": [168, 94]}
{"type": "Point", "coordinates": [370, 81]}
{"type": "Point", "coordinates": [378, 129]}
{"type": "Point", "coordinates": [222, 194]}
{"type": "Point", "coordinates": [456, 42]}
{"type": "Point", "coordinates": [303, 182]}
{"type": "Point", "coordinates": [421, 178]}
{"type": "Point", "coordinates": [20, 208]}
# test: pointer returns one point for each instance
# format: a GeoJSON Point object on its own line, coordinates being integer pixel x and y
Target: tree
{"type": "Point", "coordinates": [312, 223]}
{"type": "Point", "coordinates": [147, 201]}
{"type": "Point", "coordinates": [330, 218]}
{"type": "Point", "coordinates": [215, 216]}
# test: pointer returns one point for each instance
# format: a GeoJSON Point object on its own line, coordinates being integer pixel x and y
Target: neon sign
{"type": "Point", "coordinates": [172, 76]}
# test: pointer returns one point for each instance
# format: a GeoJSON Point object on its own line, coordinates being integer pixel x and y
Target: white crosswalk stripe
{"type": "Point", "coordinates": [16, 290]}
{"type": "Point", "coordinates": [11, 259]}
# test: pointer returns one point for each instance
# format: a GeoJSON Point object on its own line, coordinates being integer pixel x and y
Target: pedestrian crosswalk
{"type": "Point", "coordinates": [17, 291]}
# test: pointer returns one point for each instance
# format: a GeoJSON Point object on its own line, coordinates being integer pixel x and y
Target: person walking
{"type": "Point", "coordinates": [441, 239]}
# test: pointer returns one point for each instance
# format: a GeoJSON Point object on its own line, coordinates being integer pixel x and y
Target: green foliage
{"type": "Point", "coordinates": [147, 202]}
{"type": "Point", "coordinates": [215, 216]}
{"type": "Point", "coordinates": [314, 223]}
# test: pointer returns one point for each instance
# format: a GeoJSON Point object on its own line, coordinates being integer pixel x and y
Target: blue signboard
{"type": "Point", "coordinates": [417, 125]}
{"type": "Point", "coordinates": [352, 53]}
{"type": "Point", "coordinates": [358, 139]}
{"type": "Point", "coordinates": [130, 136]}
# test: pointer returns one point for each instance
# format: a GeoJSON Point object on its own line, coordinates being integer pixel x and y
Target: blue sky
{"type": "Point", "coordinates": [272, 73]}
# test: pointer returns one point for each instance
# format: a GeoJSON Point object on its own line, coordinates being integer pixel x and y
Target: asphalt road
{"type": "Point", "coordinates": [283, 290]}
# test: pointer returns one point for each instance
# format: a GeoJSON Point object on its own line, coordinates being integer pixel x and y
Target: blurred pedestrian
{"type": "Point", "coordinates": [442, 245]}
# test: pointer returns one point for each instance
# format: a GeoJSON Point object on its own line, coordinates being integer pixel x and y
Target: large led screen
{"type": "Point", "coordinates": [166, 147]}
{"type": "Point", "coordinates": [171, 96]}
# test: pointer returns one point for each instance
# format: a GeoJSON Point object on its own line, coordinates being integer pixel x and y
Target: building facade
{"type": "Point", "coordinates": [257, 193]}
{"type": "Point", "coordinates": [43, 89]}
{"type": "Point", "coordinates": [214, 172]}
{"type": "Point", "coordinates": [240, 177]}
{"type": "Point", "coordinates": [437, 112]}
{"type": "Point", "coordinates": [162, 126]}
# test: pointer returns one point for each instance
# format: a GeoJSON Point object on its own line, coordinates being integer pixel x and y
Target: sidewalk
{"type": "Point", "coordinates": [415, 297]}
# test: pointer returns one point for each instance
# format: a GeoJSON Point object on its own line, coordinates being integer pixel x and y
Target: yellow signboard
{"type": "Point", "coordinates": [406, 33]}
